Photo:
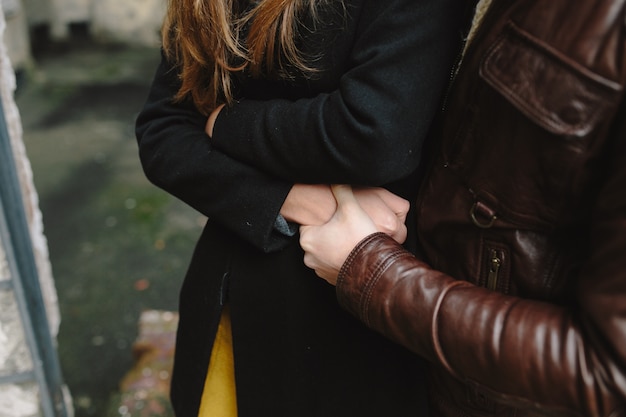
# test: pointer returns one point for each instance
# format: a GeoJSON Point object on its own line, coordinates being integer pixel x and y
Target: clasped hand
{"type": "Point", "coordinates": [359, 212]}
{"type": "Point", "coordinates": [328, 245]}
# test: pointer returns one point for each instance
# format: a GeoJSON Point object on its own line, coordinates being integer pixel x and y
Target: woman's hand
{"type": "Point", "coordinates": [309, 204]}
{"type": "Point", "coordinates": [327, 246]}
{"type": "Point", "coordinates": [210, 123]}
{"type": "Point", "coordinates": [314, 205]}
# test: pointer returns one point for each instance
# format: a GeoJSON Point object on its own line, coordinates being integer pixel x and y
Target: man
{"type": "Point", "coordinates": [517, 297]}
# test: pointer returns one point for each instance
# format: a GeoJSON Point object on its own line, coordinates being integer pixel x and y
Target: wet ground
{"type": "Point", "coordinates": [118, 245]}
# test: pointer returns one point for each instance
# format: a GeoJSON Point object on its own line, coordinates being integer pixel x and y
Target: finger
{"type": "Point", "coordinates": [313, 263]}
{"type": "Point", "coordinates": [396, 203]}
{"type": "Point", "coordinates": [343, 194]}
{"type": "Point", "coordinates": [305, 238]}
{"type": "Point", "coordinates": [400, 235]}
{"type": "Point", "coordinates": [399, 205]}
{"type": "Point", "coordinates": [310, 261]}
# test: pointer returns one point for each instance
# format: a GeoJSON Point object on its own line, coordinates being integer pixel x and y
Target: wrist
{"type": "Point", "coordinates": [308, 204]}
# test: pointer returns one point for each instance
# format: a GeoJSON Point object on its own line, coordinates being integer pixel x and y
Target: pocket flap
{"type": "Point", "coordinates": [550, 88]}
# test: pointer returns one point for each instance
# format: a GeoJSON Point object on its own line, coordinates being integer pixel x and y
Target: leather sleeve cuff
{"type": "Point", "coordinates": [362, 269]}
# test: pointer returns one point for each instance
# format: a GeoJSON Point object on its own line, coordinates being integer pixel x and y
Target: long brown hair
{"type": "Point", "coordinates": [203, 37]}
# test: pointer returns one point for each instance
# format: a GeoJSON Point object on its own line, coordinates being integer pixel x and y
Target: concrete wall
{"type": "Point", "coordinates": [133, 21]}
{"type": "Point", "coordinates": [16, 33]}
{"type": "Point", "coordinates": [29, 194]}
{"type": "Point", "coordinates": [136, 22]}
{"type": "Point", "coordinates": [21, 399]}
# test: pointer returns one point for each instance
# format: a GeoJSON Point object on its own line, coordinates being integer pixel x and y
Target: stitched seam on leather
{"type": "Point", "coordinates": [352, 255]}
{"type": "Point", "coordinates": [511, 95]}
{"type": "Point", "coordinates": [378, 273]}
{"type": "Point", "coordinates": [571, 66]}
{"type": "Point", "coordinates": [566, 60]}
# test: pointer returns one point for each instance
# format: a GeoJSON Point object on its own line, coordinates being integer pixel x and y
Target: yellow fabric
{"type": "Point", "coordinates": [219, 398]}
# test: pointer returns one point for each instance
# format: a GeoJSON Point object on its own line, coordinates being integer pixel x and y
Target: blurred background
{"type": "Point", "coordinates": [118, 246]}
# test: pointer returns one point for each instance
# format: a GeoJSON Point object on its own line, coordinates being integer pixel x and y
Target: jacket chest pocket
{"type": "Point", "coordinates": [528, 139]}
{"type": "Point", "coordinates": [552, 90]}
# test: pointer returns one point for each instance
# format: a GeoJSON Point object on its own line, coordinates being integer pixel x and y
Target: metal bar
{"type": "Point", "coordinates": [15, 233]}
{"type": "Point", "coordinates": [45, 399]}
{"type": "Point", "coordinates": [20, 378]}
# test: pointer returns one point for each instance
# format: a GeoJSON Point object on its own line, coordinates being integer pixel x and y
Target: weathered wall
{"type": "Point", "coordinates": [20, 400]}
{"type": "Point", "coordinates": [16, 35]}
{"type": "Point", "coordinates": [31, 200]}
{"type": "Point", "coordinates": [133, 21]}
{"type": "Point", "coordinates": [127, 21]}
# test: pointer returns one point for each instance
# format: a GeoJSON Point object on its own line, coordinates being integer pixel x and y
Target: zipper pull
{"type": "Point", "coordinates": [494, 268]}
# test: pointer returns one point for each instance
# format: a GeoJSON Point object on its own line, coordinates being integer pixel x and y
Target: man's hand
{"type": "Point", "coordinates": [327, 246]}
{"type": "Point", "coordinates": [314, 205]}
{"type": "Point", "coordinates": [387, 210]}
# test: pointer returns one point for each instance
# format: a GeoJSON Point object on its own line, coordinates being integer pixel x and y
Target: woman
{"type": "Point", "coordinates": [518, 295]}
{"type": "Point", "coordinates": [293, 94]}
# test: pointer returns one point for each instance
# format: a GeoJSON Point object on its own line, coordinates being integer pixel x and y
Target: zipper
{"type": "Point", "coordinates": [456, 64]}
{"type": "Point", "coordinates": [494, 270]}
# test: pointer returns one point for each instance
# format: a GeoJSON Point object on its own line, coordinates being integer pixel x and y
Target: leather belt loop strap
{"type": "Point", "coordinates": [482, 216]}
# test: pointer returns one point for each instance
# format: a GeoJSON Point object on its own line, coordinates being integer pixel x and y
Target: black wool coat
{"type": "Point", "coordinates": [361, 119]}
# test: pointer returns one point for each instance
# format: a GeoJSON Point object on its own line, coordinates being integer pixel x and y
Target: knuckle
{"type": "Point", "coordinates": [389, 224]}
{"type": "Point", "coordinates": [308, 260]}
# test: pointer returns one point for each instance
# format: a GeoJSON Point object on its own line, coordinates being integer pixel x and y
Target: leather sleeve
{"type": "Point", "coordinates": [560, 358]}
{"type": "Point", "coordinates": [529, 354]}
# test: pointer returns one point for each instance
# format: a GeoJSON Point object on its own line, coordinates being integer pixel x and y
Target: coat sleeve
{"type": "Point", "coordinates": [528, 353]}
{"type": "Point", "coordinates": [370, 128]}
{"type": "Point", "coordinates": [176, 155]}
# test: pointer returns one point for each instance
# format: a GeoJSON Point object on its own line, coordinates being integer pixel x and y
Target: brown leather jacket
{"type": "Point", "coordinates": [519, 298]}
